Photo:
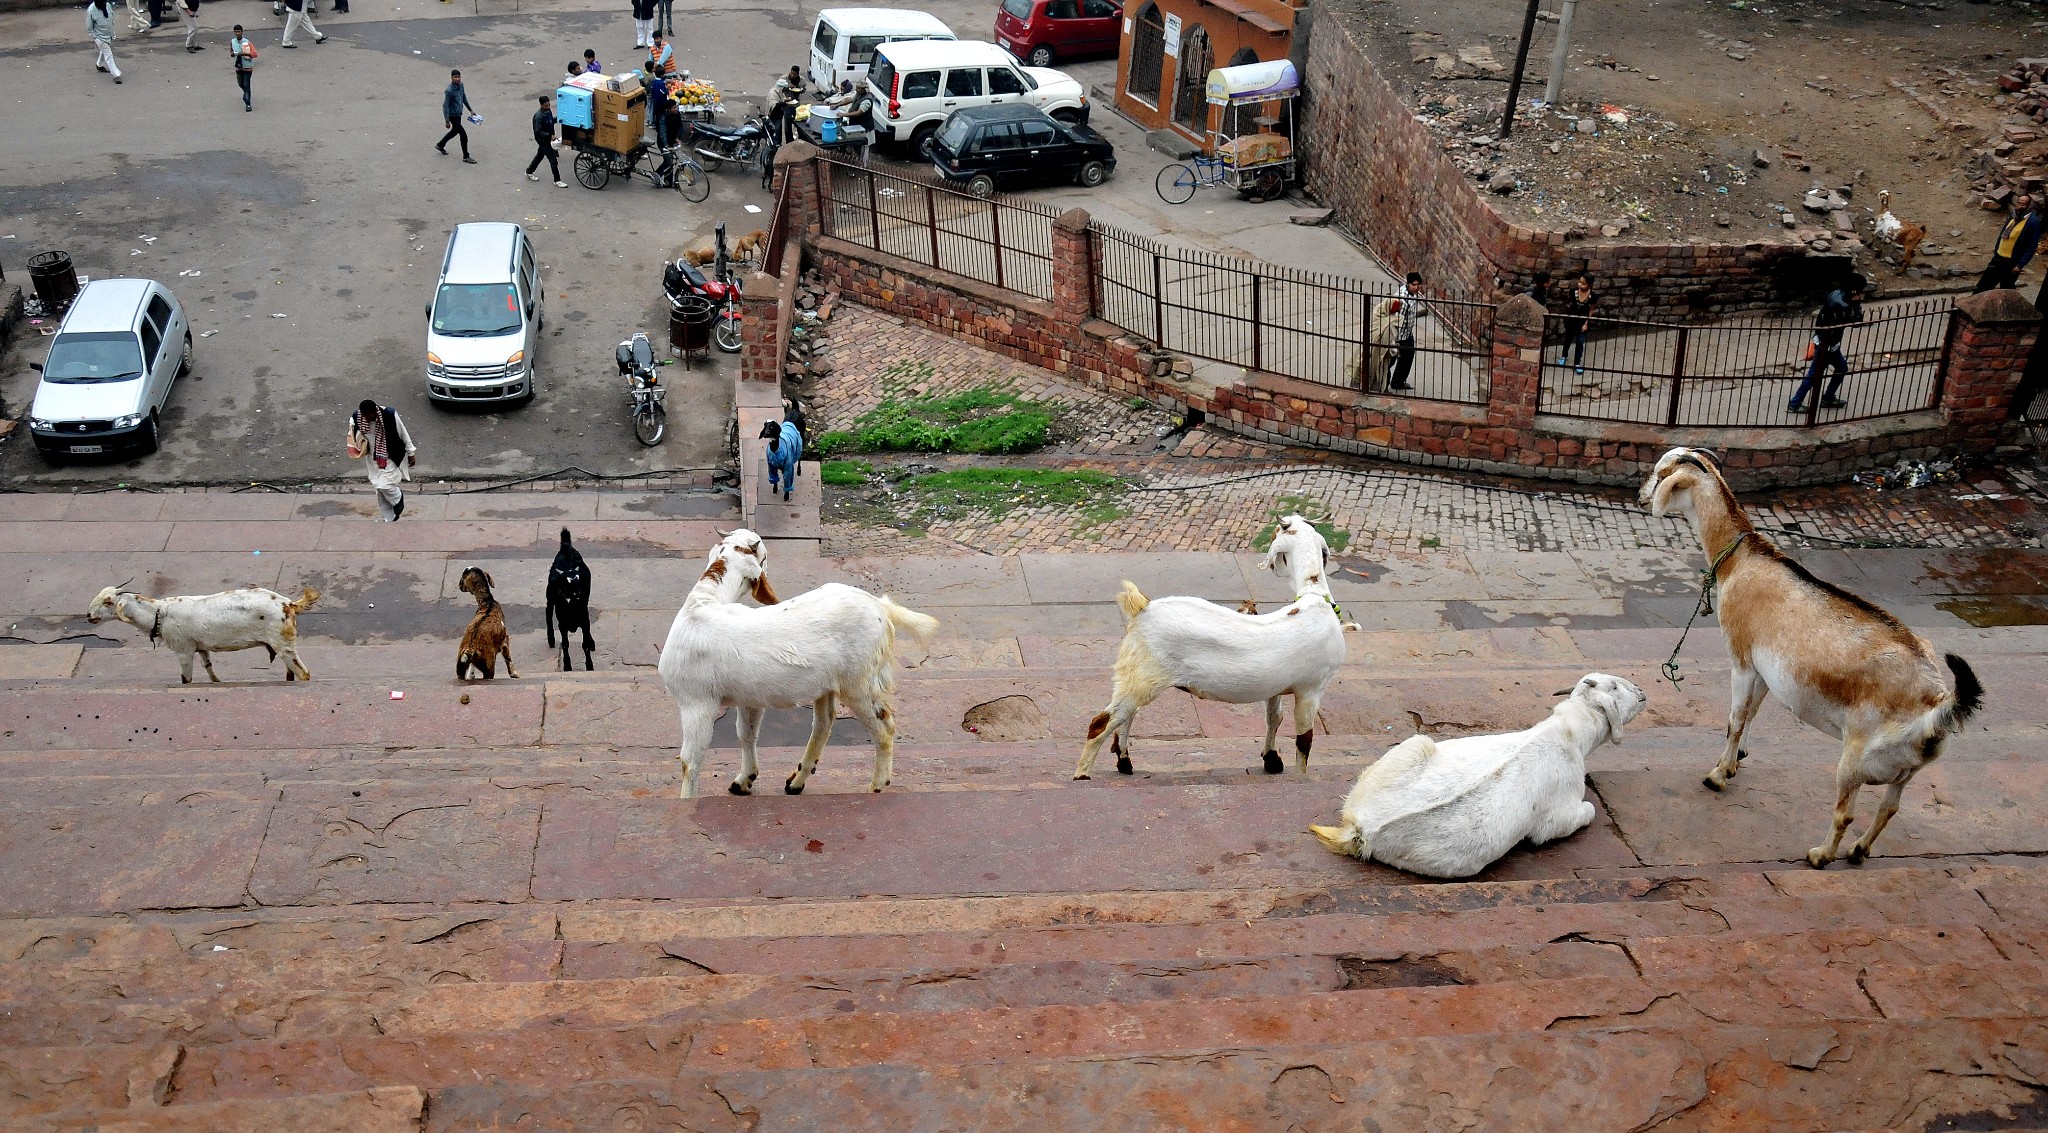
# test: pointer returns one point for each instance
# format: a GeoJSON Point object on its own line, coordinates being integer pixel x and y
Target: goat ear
{"type": "Point", "coordinates": [1609, 702]}
{"type": "Point", "coordinates": [1660, 503]}
{"type": "Point", "coordinates": [763, 593]}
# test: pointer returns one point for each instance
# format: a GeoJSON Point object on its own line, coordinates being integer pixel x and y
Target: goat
{"type": "Point", "coordinates": [833, 645]}
{"type": "Point", "coordinates": [485, 638]}
{"type": "Point", "coordinates": [1451, 809]}
{"type": "Point", "coordinates": [785, 449]}
{"type": "Point", "coordinates": [568, 604]}
{"type": "Point", "coordinates": [1906, 234]}
{"type": "Point", "coordinates": [1834, 660]}
{"type": "Point", "coordinates": [1220, 654]}
{"type": "Point", "coordinates": [214, 623]}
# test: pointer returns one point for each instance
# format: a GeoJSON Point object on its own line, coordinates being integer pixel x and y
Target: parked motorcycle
{"type": "Point", "coordinates": [721, 287]}
{"type": "Point", "coordinates": [716, 145]}
{"type": "Point", "coordinates": [636, 364]}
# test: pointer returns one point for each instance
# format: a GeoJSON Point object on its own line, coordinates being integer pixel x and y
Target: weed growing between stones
{"type": "Point", "coordinates": [844, 473]}
{"type": "Point", "coordinates": [915, 499]}
{"type": "Point", "coordinates": [986, 419]}
{"type": "Point", "coordinates": [1315, 511]}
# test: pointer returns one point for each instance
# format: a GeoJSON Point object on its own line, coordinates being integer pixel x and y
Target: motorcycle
{"type": "Point", "coordinates": [716, 145]}
{"type": "Point", "coordinates": [683, 279]}
{"type": "Point", "coordinates": [636, 364]}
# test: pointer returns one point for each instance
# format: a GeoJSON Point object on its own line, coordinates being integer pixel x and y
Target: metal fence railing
{"type": "Point", "coordinates": [1000, 240]}
{"type": "Point", "coordinates": [1278, 320]}
{"type": "Point", "coordinates": [1743, 373]}
{"type": "Point", "coordinates": [778, 225]}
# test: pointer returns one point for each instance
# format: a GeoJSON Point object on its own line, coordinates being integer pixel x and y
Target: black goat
{"type": "Point", "coordinates": [569, 602]}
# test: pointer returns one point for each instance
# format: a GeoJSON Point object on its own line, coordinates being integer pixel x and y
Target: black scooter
{"type": "Point", "coordinates": [716, 145]}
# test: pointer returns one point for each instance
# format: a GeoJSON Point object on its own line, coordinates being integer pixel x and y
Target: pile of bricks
{"type": "Point", "coordinates": [2016, 158]}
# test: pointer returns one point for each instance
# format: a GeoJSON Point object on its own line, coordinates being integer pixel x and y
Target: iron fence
{"type": "Point", "coordinates": [1001, 240]}
{"type": "Point", "coordinates": [1743, 373]}
{"type": "Point", "coordinates": [1298, 324]}
{"type": "Point", "coordinates": [778, 225]}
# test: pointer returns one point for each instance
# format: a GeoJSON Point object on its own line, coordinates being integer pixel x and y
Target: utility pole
{"type": "Point", "coordinates": [1557, 57]}
{"type": "Point", "coordinates": [1507, 124]}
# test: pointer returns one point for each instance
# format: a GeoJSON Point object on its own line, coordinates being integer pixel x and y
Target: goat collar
{"type": "Point", "coordinates": [156, 623]}
{"type": "Point", "coordinates": [1714, 568]}
{"type": "Point", "coordinates": [1331, 599]}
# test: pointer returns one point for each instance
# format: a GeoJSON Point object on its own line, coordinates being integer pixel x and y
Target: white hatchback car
{"type": "Point", "coordinates": [916, 85]}
{"type": "Point", "coordinates": [109, 371]}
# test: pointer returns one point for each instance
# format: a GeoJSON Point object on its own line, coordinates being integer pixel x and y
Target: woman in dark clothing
{"type": "Point", "coordinates": [1578, 310]}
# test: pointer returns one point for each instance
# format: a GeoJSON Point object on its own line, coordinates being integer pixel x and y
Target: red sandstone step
{"type": "Point", "coordinates": [380, 1109]}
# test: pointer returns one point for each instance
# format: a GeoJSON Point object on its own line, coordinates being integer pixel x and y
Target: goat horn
{"type": "Point", "coordinates": [124, 585]}
{"type": "Point", "coordinates": [1562, 692]}
{"type": "Point", "coordinates": [722, 533]}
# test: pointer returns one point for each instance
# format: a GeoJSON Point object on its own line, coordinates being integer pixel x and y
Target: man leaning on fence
{"type": "Point", "coordinates": [1843, 309]}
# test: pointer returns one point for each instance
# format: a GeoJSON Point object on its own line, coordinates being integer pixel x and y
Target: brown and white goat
{"type": "Point", "coordinates": [485, 638]}
{"type": "Point", "coordinates": [205, 624]}
{"type": "Point", "coordinates": [1836, 661]}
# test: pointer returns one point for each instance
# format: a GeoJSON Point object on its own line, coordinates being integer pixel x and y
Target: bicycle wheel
{"type": "Point", "coordinates": [726, 332]}
{"type": "Point", "coordinates": [591, 172]}
{"type": "Point", "coordinates": [1176, 184]}
{"type": "Point", "coordinates": [650, 421]}
{"type": "Point", "coordinates": [691, 181]}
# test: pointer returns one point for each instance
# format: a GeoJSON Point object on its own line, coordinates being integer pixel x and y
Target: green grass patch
{"type": "Point", "coordinates": [997, 491]}
{"type": "Point", "coordinates": [1309, 508]}
{"type": "Point", "coordinates": [987, 419]}
{"type": "Point", "coordinates": [844, 473]}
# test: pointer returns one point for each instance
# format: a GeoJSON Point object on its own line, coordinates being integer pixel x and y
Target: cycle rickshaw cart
{"type": "Point", "coordinates": [604, 119]}
{"type": "Point", "coordinates": [1260, 164]}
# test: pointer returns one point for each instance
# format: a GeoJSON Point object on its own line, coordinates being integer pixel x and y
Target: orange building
{"type": "Point", "coordinates": [1169, 47]}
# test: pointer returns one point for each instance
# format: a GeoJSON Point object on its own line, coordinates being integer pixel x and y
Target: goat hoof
{"type": "Point", "coordinates": [1274, 764]}
{"type": "Point", "coordinates": [1080, 778]}
{"type": "Point", "coordinates": [792, 788]}
{"type": "Point", "coordinates": [1712, 783]}
{"type": "Point", "coordinates": [290, 676]}
{"type": "Point", "coordinates": [1856, 854]}
{"type": "Point", "coordinates": [737, 789]}
{"type": "Point", "coordinates": [1123, 765]}
{"type": "Point", "coordinates": [1740, 755]}
{"type": "Point", "coordinates": [1818, 858]}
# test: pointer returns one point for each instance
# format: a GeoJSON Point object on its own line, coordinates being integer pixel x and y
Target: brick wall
{"type": "Point", "coordinates": [1365, 156]}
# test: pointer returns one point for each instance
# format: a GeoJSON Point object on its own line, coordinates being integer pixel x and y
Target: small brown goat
{"type": "Point", "coordinates": [485, 638]}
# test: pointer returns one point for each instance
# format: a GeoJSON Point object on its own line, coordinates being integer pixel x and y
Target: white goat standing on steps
{"type": "Point", "coordinates": [205, 624]}
{"type": "Point", "coordinates": [1220, 654]}
{"type": "Point", "coordinates": [834, 644]}
{"type": "Point", "coordinates": [1836, 661]}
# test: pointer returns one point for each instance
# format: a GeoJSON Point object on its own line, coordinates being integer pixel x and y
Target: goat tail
{"type": "Point", "coordinates": [307, 596]}
{"type": "Point", "coordinates": [1347, 839]}
{"type": "Point", "coordinates": [565, 538]}
{"type": "Point", "coordinates": [1132, 600]}
{"type": "Point", "coordinates": [920, 627]}
{"type": "Point", "coordinates": [1969, 695]}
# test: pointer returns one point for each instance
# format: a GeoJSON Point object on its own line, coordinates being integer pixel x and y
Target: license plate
{"type": "Point", "coordinates": [1003, 42]}
{"type": "Point", "coordinates": [88, 448]}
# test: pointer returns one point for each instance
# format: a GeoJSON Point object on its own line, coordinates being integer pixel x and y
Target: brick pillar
{"type": "Point", "coordinates": [1517, 363]}
{"type": "Point", "coordinates": [1073, 270]}
{"type": "Point", "coordinates": [798, 163]}
{"type": "Point", "coordinates": [760, 327]}
{"type": "Point", "coordinates": [1994, 333]}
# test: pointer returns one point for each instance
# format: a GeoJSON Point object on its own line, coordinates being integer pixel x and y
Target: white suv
{"type": "Point", "coordinates": [916, 85]}
{"type": "Point", "coordinates": [110, 369]}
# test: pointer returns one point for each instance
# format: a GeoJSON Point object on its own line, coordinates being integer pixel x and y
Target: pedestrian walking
{"type": "Point", "coordinates": [1410, 296]}
{"type": "Point", "coordinates": [99, 24]}
{"type": "Point", "coordinates": [377, 437]}
{"type": "Point", "coordinates": [643, 22]}
{"type": "Point", "coordinates": [1577, 322]}
{"type": "Point", "coordinates": [244, 54]}
{"type": "Point", "coordinates": [782, 104]}
{"type": "Point", "coordinates": [454, 104]}
{"type": "Point", "coordinates": [590, 64]}
{"type": "Point", "coordinates": [341, 7]}
{"type": "Point", "coordinates": [665, 16]}
{"type": "Point", "coordinates": [2015, 245]}
{"type": "Point", "coordinates": [1842, 310]}
{"type": "Point", "coordinates": [297, 15]}
{"type": "Point", "coordinates": [156, 14]}
{"type": "Point", "coordinates": [544, 143]}
{"type": "Point", "coordinates": [188, 14]}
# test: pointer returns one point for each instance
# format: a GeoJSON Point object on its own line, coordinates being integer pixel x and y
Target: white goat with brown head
{"type": "Point", "coordinates": [205, 624]}
{"type": "Point", "coordinates": [1836, 661]}
{"type": "Point", "coordinates": [833, 645]}
{"type": "Point", "coordinates": [1221, 654]}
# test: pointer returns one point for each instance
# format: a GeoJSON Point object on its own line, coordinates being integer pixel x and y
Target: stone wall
{"type": "Point", "coordinates": [1365, 156]}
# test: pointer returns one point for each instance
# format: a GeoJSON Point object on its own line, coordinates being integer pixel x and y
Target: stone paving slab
{"type": "Point", "coordinates": [93, 860]}
{"type": "Point", "coordinates": [1084, 578]}
{"type": "Point", "coordinates": [424, 846]}
{"type": "Point", "coordinates": [212, 717]}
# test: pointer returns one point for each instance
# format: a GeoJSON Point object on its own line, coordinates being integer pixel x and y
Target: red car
{"type": "Point", "coordinates": [1039, 31]}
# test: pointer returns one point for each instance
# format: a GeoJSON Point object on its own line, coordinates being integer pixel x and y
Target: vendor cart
{"type": "Point", "coordinates": [1259, 164]}
{"type": "Point", "coordinates": [604, 119]}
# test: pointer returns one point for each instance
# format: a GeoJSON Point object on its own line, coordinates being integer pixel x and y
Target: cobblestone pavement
{"type": "Point", "coordinates": [1205, 490]}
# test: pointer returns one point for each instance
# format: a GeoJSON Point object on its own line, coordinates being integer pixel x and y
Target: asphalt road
{"type": "Point", "coordinates": [329, 206]}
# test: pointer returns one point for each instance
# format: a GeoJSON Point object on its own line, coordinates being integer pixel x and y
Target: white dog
{"type": "Point", "coordinates": [1451, 809]}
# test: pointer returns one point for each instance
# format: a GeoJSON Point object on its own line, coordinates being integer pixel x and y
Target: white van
{"type": "Point", "coordinates": [916, 85]}
{"type": "Point", "coordinates": [109, 371]}
{"type": "Point", "coordinates": [845, 40]}
{"type": "Point", "coordinates": [483, 327]}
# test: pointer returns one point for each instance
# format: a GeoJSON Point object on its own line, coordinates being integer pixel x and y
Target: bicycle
{"type": "Point", "coordinates": [1176, 184]}
{"type": "Point", "coordinates": [596, 166]}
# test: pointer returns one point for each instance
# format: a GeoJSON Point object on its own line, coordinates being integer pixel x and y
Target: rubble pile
{"type": "Point", "coordinates": [2016, 157]}
{"type": "Point", "coordinates": [810, 353]}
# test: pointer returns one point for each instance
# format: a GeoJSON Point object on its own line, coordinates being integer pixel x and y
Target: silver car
{"type": "Point", "coordinates": [109, 371]}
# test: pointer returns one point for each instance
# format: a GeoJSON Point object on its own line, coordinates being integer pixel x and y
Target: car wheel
{"type": "Point", "coordinates": [149, 436]}
{"type": "Point", "coordinates": [185, 359]}
{"type": "Point", "coordinates": [921, 141]}
{"type": "Point", "coordinates": [1041, 56]}
{"type": "Point", "coordinates": [982, 185]}
{"type": "Point", "coordinates": [1092, 174]}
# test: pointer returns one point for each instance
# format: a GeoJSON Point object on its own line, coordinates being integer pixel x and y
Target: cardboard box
{"type": "Point", "coordinates": [1256, 149]}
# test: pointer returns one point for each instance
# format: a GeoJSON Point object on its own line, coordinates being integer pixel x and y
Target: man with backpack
{"type": "Point", "coordinates": [1842, 310]}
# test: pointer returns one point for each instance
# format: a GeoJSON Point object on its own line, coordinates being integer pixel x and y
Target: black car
{"type": "Point", "coordinates": [1012, 143]}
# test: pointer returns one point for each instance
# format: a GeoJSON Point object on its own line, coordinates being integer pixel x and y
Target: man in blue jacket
{"type": "Point", "coordinates": [2015, 245]}
{"type": "Point", "coordinates": [1842, 310]}
{"type": "Point", "coordinates": [454, 104]}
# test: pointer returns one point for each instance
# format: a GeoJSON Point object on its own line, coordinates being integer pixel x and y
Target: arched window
{"type": "Point", "coordinates": [1148, 55]}
{"type": "Point", "coordinates": [1190, 104]}
{"type": "Point", "coordinates": [1244, 55]}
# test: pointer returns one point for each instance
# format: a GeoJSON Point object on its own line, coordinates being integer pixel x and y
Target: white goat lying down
{"type": "Point", "coordinates": [1836, 661]}
{"type": "Point", "coordinates": [1451, 809]}
{"type": "Point", "coordinates": [1221, 654]}
{"type": "Point", "coordinates": [205, 624]}
{"type": "Point", "coordinates": [835, 644]}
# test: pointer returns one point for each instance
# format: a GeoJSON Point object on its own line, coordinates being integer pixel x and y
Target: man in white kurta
{"type": "Point", "coordinates": [378, 437]}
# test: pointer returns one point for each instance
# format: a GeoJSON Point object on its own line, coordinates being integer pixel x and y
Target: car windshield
{"type": "Point", "coordinates": [476, 310]}
{"type": "Point", "coordinates": [1018, 9]}
{"type": "Point", "coordinates": [953, 135]}
{"type": "Point", "coordinates": [91, 358]}
{"type": "Point", "coordinates": [881, 74]}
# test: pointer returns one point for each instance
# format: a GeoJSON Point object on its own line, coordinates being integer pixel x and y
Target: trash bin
{"type": "Point", "coordinates": [689, 324]}
{"type": "Point", "coordinates": [55, 282]}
